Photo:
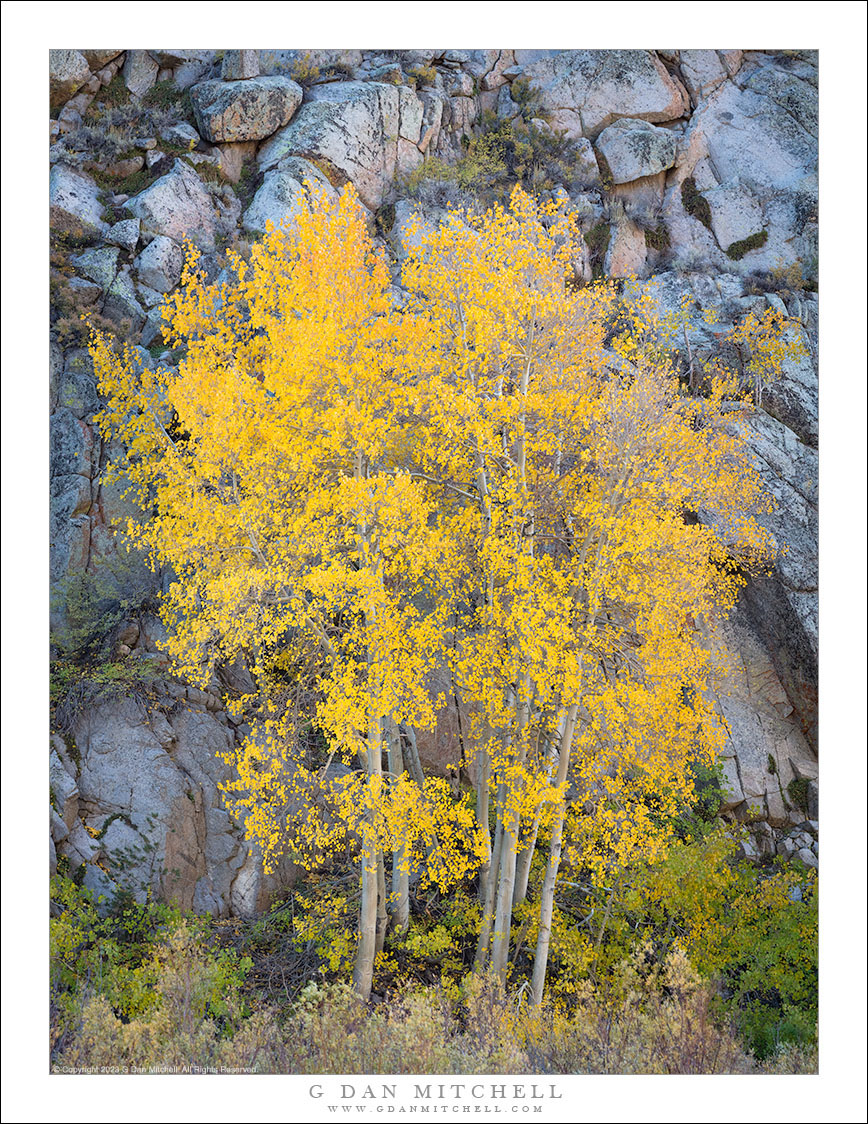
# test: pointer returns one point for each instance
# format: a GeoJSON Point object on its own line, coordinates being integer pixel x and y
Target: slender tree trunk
{"type": "Point", "coordinates": [482, 799]}
{"type": "Point", "coordinates": [505, 889]}
{"type": "Point", "coordinates": [547, 898]}
{"type": "Point", "coordinates": [371, 913]}
{"type": "Point", "coordinates": [371, 929]}
{"type": "Point", "coordinates": [511, 832]}
{"type": "Point", "coordinates": [363, 971]}
{"type": "Point", "coordinates": [414, 762]}
{"type": "Point", "coordinates": [526, 858]}
{"type": "Point", "coordinates": [487, 891]}
{"type": "Point", "coordinates": [382, 911]}
{"type": "Point", "coordinates": [400, 869]}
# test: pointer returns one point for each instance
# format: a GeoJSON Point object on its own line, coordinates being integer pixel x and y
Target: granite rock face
{"type": "Point", "coordinates": [74, 202]}
{"type": "Point", "coordinates": [584, 91]}
{"type": "Point", "coordinates": [363, 132]}
{"type": "Point", "coordinates": [693, 170]}
{"type": "Point", "coordinates": [137, 788]}
{"type": "Point", "coordinates": [285, 190]}
{"type": "Point", "coordinates": [67, 73]}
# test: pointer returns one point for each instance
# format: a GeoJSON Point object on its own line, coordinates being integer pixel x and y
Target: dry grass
{"type": "Point", "coordinates": [664, 1026]}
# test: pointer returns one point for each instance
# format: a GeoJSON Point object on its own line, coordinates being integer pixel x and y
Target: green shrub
{"type": "Point", "coordinates": [658, 238]}
{"type": "Point", "coordinates": [527, 97]}
{"type": "Point", "coordinates": [798, 793]}
{"type": "Point", "coordinates": [111, 96]}
{"type": "Point", "coordinates": [501, 153]}
{"type": "Point", "coordinates": [161, 95]}
{"type": "Point", "coordinates": [423, 75]}
{"type": "Point", "coordinates": [695, 203]}
{"type": "Point", "coordinates": [129, 185]}
{"type": "Point", "coordinates": [99, 951]}
{"type": "Point", "coordinates": [162, 1000]}
{"type": "Point", "coordinates": [753, 242]}
{"type": "Point", "coordinates": [751, 929]}
{"type": "Point", "coordinates": [597, 239]}
{"type": "Point", "coordinates": [143, 985]}
{"type": "Point", "coordinates": [207, 173]}
{"type": "Point", "coordinates": [304, 71]}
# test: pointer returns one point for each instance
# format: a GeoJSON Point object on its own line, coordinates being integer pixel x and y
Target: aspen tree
{"type": "Point", "coordinates": [499, 479]}
{"type": "Point", "coordinates": [293, 532]}
{"type": "Point", "coordinates": [566, 469]}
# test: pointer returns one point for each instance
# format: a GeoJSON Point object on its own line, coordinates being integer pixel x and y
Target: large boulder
{"type": "Point", "coordinates": [76, 390]}
{"type": "Point", "coordinates": [626, 252]}
{"type": "Point", "coordinates": [99, 264]}
{"type": "Point", "coordinates": [237, 65]}
{"type": "Point", "coordinates": [140, 72]}
{"type": "Point", "coordinates": [178, 206]}
{"type": "Point", "coordinates": [284, 193]}
{"type": "Point", "coordinates": [703, 72]}
{"type": "Point", "coordinates": [160, 264]}
{"type": "Point", "coordinates": [73, 199]}
{"type": "Point", "coordinates": [121, 303]}
{"type": "Point", "coordinates": [191, 68]}
{"type": "Point", "coordinates": [735, 212]}
{"type": "Point", "coordinates": [246, 110]}
{"type": "Point", "coordinates": [584, 91]}
{"type": "Point", "coordinates": [97, 59]}
{"type": "Point", "coordinates": [364, 132]}
{"type": "Point", "coordinates": [634, 149]}
{"type": "Point", "coordinates": [124, 234]}
{"type": "Point", "coordinates": [67, 72]}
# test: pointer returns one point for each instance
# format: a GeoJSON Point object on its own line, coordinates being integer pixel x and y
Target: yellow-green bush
{"type": "Point", "coordinates": [751, 931]}
{"type": "Point", "coordinates": [129, 960]}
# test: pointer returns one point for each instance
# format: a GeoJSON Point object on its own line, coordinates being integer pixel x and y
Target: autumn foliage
{"type": "Point", "coordinates": [499, 479]}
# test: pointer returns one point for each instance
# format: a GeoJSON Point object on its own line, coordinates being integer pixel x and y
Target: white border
{"type": "Point", "coordinates": [838, 29]}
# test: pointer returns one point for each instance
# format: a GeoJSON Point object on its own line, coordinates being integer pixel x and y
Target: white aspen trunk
{"type": "Point", "coordinates": [547, 897]}
{"type": "Point", "coordinates": [522, 874]}
{"type": "Point", "coordinates": [369, 928]}
{"type": "Point", "coordinates": [482, 800]}
{"type": "Point", "coordinates": [511, 834]}
{"type": "Point", "coordinates": [526, 857]}
{"type": "Point", "coordinates": [363, 971]}
{"type": "Point", "coordinates": [527, 533]}
{"type": "Point", "coordinates": [487, 891]}
{"type": "Point", "coordinates": [400, 869]}
{"type": "Point", "coordinates": [505, 888]}
{"type": "Point", "coordinates": [382, 912]}
{"type": "Point", "coordinates": [414, 762]}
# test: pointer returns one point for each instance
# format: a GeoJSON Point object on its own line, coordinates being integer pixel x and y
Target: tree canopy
{"type": "Point", "coordinates": [494, 481]}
